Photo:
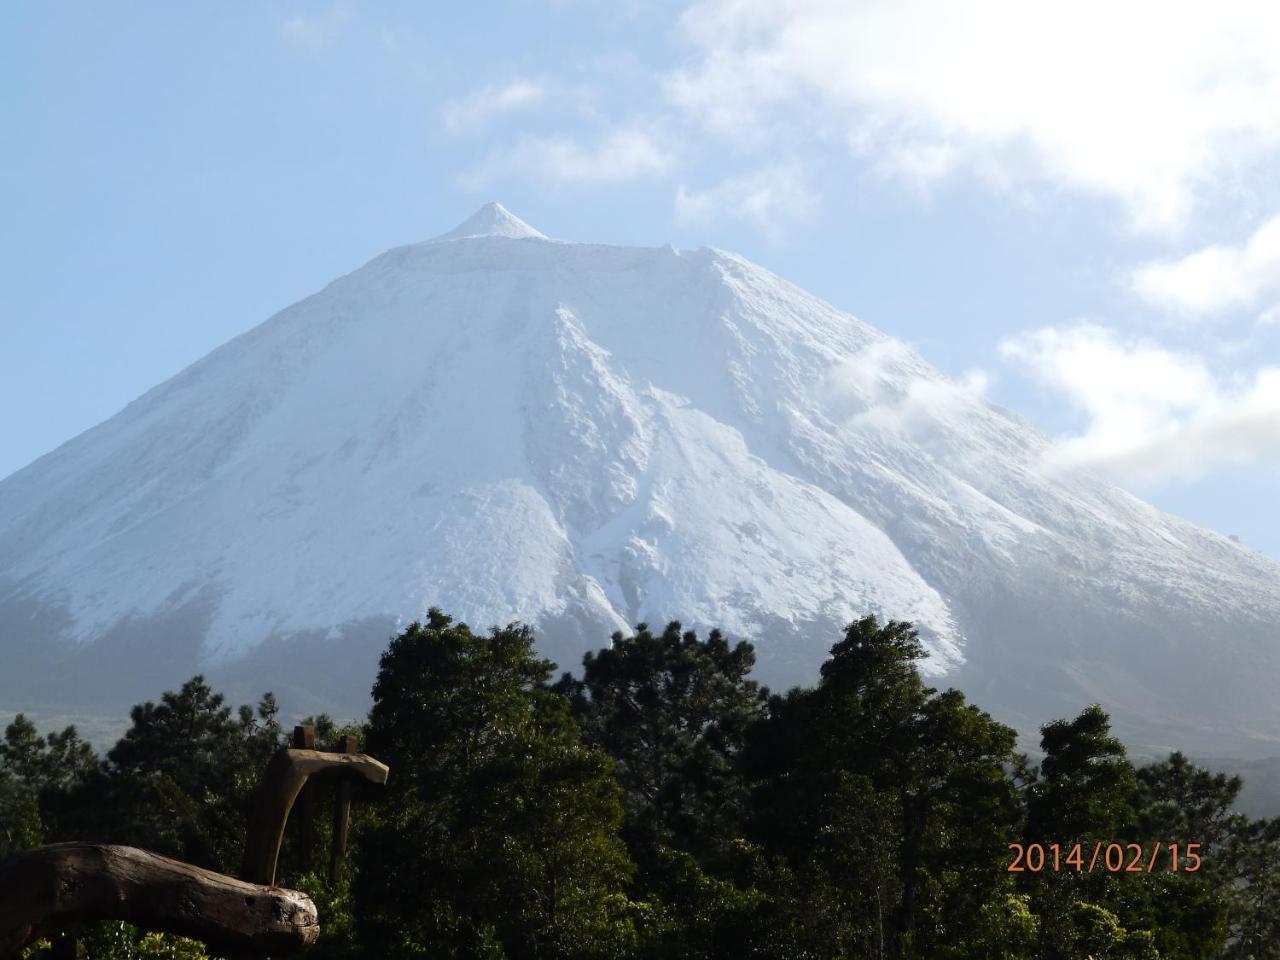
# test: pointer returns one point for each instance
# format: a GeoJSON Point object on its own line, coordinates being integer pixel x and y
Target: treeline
{"type": "Point", "coordinates": [663, 805]}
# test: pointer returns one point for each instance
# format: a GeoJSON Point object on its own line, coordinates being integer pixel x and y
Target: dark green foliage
{"type": "Point", "coordinates": [672, 711]}
{"type": "Point", "coordinates": [1252, 859]}
{"type": "Point", "coordinates": [21, 827]}
{"type": "Point", "coordinates": [123, 941]}
{"type": "Point", "coordinates": [1180, 802]}
{"type": "Point", "coordinates": [36, 773]}
{"type": "Point", "coordinates": [498, 837]}
{"type": "Point", "coordinates": [334, 907]}
{"type": "Point", "coordinates": [1087, 787]}
{"type": "Point", "coordinates": [1005, 928]}
{"type": "Point", "coordinates": [1087, 793]}
{"type": "Point", "coordinates": [57, 761]}
{"type": "Point", "coordinates": [181, 779]}
{"type": "Point", "coordinates": [665, 806]}
{"type": "Point", "coordinates": [889, 799]}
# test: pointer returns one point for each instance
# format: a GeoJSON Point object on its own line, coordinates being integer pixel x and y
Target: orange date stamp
{"type": "Point", "coordinates": [1104, 857]}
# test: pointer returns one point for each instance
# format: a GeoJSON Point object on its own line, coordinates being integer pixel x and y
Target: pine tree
{"type": "Point", "coordinates": [36, 772]}
{"type": "Point", "coordinates": [498, 834]}
{"type": "Point", "coordinates": [181, 779]}
{"type": "Point", "coordinates": [1087, 787]}
{"type": "Point", "coordinates": [1252, 856]}
{"type": "Point", "coordinates": [898, 795]}
{"type": "Point", "coordinates": [672, 711]}
{"type": "Point", "coordinates": [1088, 793]}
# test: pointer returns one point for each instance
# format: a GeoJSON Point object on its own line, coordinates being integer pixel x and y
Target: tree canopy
{"type": "Point", "coordinates": [662, 804]}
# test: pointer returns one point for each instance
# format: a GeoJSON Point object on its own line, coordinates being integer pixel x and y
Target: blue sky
{"type": "Point", "coordinates": [1083, 211]}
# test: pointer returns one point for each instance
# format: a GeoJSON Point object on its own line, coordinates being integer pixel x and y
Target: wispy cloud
{"type": "Point", "coordinates": [470, 113]}
{"type": "Point", "coordinates": [1144, 101]}
{"type": "Point", "coordinates": [886, 387]}
{"type": "Point", "coordinates": [1153, 414]}
{"type": "Point", "coordinates": [1218, 279]}
{"type": "Point", "coordinates": [317, 31]}
{"type": "Point", "coordinates": [768, 199]}
{"type": "Point", "coordinates": [619, 155]}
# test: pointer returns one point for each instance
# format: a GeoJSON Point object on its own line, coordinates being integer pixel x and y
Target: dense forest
{"type": "Point", "coordinates": [661, 804]}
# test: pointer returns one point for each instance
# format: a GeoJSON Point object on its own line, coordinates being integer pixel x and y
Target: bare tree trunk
{"type": "Point", "coordinates": [92, 881]}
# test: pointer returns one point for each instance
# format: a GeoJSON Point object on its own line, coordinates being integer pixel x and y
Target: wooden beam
{"type": "Point", "coordinates": [67, 882]}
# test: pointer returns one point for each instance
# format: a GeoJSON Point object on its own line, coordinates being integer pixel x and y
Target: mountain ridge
{"type": "Point", "coordinates": [583, 436]}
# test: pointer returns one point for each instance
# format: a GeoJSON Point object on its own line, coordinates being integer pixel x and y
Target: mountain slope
{"type": "Point", "coordinates": [585, 436]}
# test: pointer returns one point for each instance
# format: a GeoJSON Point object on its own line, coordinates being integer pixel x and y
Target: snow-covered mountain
{"type": "Point", "coordinates": [583, 437]}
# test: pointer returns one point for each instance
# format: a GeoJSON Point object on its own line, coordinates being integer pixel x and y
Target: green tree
{"type": "Point", "coordinates": [960, 811]}
{"type": "Point", "coordinates": [181, 779]}
{"type": "Point", "coordinates": [1092, 932]}
{"type": "Point", "coordinates": [1005, 929]}
{"type": "Point", "coordinates": [36, 772]}
{"type": "Point", "coordinates": [898, 795]}
{"type": "Point", "coordinates": [1253, 856]}
{"type": "Point", "coordinates": [1180, 803]}
{"type": "Point", "coordinates": [123, 941]}
{"type": "Point", "coordinates": [21, 827]}
{"type": "Point", "coordinates": [498, 837]}
{"type": "Point", "coordinates": [1086, 788]}
{"type": "Point", "coordinates": [1088, 793]}
{"type": "Point", "coordinates": [672, 711]}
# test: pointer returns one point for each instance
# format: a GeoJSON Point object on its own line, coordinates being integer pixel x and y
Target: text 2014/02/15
{"type": "Point", "coordinates": [1111, 857]}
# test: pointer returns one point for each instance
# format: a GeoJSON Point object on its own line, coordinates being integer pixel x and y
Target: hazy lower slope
{"type": "Point", "coordinates": [585, 436]}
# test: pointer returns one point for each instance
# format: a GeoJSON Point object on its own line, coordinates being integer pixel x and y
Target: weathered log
{"type": "Point", "coordinates": [285, 775]}
{"type": "Point", "coordinates": [93, 881]}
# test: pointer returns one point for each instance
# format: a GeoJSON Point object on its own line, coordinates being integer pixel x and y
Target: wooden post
{"type": "Point", "coordinates": [341, 816]}
{"type": "Point", "coordinates": [304, 738]}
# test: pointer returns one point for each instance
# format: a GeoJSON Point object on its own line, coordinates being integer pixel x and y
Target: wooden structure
{"type": "Point", "coordinates": [245, 917]}
{"type": "Point", "coordinates": [286, 775]}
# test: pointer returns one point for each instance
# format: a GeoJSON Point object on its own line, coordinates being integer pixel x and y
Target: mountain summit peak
{"type": "Point", "coordinates": [491, 220]}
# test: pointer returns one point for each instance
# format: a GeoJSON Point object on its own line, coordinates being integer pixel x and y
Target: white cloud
{"type": "Point", "coordinates": [886, 387]}
{"type": "Point", "coordinates": [1154, 414]}
{"type": "Point", "coordinates": [1218, 278]}
{"type": "Point", "coordinates": [767, 199]}
{"type": "Point", "coordinates": [1143, 101]}
{"type": "Point", "coordinates": [620, 155]}
{"type": "Point", "coordinates": [319, 30]}
{"type": "Point", "coordinates": [474, 110]}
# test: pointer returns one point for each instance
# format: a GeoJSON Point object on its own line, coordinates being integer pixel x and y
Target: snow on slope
{"type": "Point", "coordinates": [583, 437]}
